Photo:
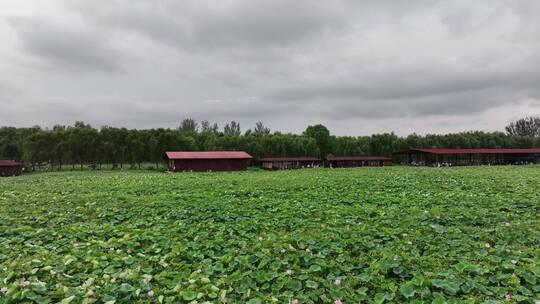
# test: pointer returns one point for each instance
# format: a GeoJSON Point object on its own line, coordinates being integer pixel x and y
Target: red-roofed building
{"type": "Point", "coordinates": [9, 167]}
{"type": "Point", "coordinates": [203, 161]}
{"type": "Point", "coordinates": [356, 161]}
{"type": "Point", "coordinates": [457, 157]}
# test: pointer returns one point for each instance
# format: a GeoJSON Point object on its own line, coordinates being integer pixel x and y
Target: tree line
{"type": "Point", "coordinates": [83, 145]}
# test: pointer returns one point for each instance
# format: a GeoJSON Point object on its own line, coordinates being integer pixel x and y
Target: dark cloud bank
{"type": "Point", "coordinates": [357, 66]}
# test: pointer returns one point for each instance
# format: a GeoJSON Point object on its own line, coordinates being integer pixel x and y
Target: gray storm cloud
{"type": "Point", "coordinates": [200, 25]}
{"type": "Point", "coordinates": [389, 65]}
{"type": "Point", "coordinates": [65, 47]}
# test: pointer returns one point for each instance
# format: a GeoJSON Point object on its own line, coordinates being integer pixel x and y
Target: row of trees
{"type": "Point", "coordinates": [82, 144]}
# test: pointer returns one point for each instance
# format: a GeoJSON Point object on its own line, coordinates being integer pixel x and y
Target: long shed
{"type": "Point", "coordinates": [356, 161]}
{"type": "Point", "coordinates": [10, 167]}
{"type": "Point", "coordinates": [281, 163]}
{"type": "Point", "coordinates": [458, 157]}
{"type": "Point", "coordinates": [203, 161]}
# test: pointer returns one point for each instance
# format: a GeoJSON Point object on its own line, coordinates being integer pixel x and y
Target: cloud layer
{"type": "Point", "coordinates": [357, 66]}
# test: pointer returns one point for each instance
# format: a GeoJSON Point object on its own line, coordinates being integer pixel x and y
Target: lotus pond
{"type": "Point", "coordinates": [367, 235]}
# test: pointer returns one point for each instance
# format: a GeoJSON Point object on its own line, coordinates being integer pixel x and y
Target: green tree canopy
{"type": "Point", "coordinates": [322, 137]}
{"type": "Point", "coordinates": [528, 126]}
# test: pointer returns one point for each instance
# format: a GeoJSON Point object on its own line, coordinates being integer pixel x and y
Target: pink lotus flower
{"type": "Point", "coordinates": [514, 262]}
{"type": "Point", "coordinates": [289, 272]}
{"type": "Point", "coordinates": [150, 293]}
{"type": "Point", "coordinates": [338, 302]}
{"type": "Point", "coordinates": [89, 293]}
{"type": "Point", "coordinates": [337, 282]}
{"type": "Point", "coordinates": [224, 301]}
{"type": "Point", "coordinates": [507, 297]}
{"type": "Point", "coordinates": [294, 301]}
{"type": "Point", "coordinates": [537, 302]}
{"type": "Point", "coordinates": [3, 289]}
{"type": "Point", "coordinates": [24, 283]}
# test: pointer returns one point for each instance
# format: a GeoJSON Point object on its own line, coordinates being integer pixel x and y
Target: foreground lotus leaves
{"type": "Point", "coordinates": [368, 235]}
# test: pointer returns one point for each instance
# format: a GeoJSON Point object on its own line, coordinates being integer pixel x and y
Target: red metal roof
{"type": "Point", "coordinates": [278, 159]}
{"type": "Point", "coordinates": [9, 163]}
{"type": "Point", "coordinates": [473, 151]}
{"type": "Point", "coordinates": [208, 155]}
{"type": "Point", "coordinates": [358, 158]}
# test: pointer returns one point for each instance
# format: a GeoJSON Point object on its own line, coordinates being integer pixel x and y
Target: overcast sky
{"type": "Point", "coordinates": [357, 66]}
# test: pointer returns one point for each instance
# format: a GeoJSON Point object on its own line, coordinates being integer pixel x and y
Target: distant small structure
{"type": "Point", "coordinates": [10, 167]}
{"type": "Point", "coordinates": [282, 163]}
{"type": "Point", "coordinates": [463, 157]}
{"type": "Point", "coordinates": [356, 161]}
{"type": "Point", "coordinates": [205, 161]}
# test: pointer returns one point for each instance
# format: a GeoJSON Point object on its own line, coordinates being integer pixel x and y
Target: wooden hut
{"type": "Point", "coordinates": [356, 161]}
{"type": "Point", "coordinates": [180, 161]}
{"type": "Point", "coordinates": [9, 167]}
{"type": "Point", "coordinates": [281, 163]}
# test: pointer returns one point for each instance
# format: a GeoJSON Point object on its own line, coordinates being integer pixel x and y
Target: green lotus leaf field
{"type": "Point", "coordinates": [367, 235]}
